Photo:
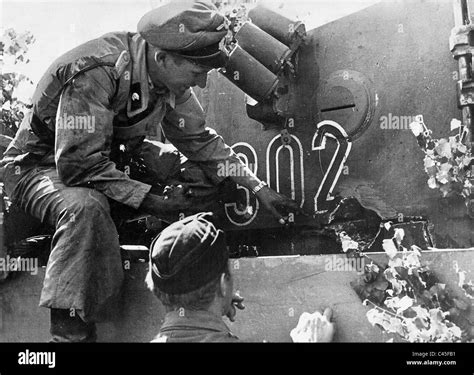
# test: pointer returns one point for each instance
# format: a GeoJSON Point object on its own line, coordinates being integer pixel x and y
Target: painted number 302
{"type": "Point", "coordinates": [245, 213]}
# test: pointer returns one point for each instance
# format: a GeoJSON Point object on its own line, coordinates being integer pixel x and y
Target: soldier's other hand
{"type": "Point", "coordinates": [175, 199]}
{"type": "Point", "coordinates": [314, 327]}
{"type": "Point", "coordinates": [186, 198]}
{"type": "Point", "coordinates": [278, 204]}
{"type": "Point", "coordinates": [162, 206]}
{"type": "Point", "coordinates": [175, 192]}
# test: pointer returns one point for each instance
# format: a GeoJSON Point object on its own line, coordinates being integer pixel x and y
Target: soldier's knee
{"type": "Point", "coordinates": [89, 204]}
{"type": "Point", "coordinates": [96, 201]}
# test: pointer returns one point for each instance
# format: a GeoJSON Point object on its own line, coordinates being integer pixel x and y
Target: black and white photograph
{"type": "Point", "coordinates": [295, 175]}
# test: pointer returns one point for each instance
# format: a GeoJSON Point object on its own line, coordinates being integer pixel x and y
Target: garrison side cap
{"type": "Point", "coordinates": [188, 254]}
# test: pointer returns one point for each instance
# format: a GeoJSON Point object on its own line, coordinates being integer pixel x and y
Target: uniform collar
{"type": "Point", "coordinates": [194, 319]}
{"type": "Point", "coordinates": [141, 79]}
{"type": "Point", "coordinates": [140, 87]}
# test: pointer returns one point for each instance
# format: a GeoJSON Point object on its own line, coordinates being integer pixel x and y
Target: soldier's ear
{"type": "Point", "coordinates": [161, 58]}
{"type": "Point", "coordinates": [224, 285]}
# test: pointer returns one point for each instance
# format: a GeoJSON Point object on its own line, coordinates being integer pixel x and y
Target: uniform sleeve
{"type": "Point", "coordinates": [185, 127]}
{"type": "Point", "coordinates": [84, 129]}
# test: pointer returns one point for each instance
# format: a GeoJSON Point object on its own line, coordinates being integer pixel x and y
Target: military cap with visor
{"type": "Point", "coordinates": [190, 29]}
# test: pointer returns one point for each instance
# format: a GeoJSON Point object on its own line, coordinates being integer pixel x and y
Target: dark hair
{"type": "Point", "coordinates": [199, 299]}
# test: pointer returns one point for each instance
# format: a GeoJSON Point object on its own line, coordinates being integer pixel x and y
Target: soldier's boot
{"type": "Point", "coordinates": [66, 328]}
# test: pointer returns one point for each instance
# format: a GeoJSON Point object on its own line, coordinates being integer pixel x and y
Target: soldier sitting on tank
{"type": "Point", "coordinates": [189, 273]}
{"type": "Point", "coordinates": [72, 160]}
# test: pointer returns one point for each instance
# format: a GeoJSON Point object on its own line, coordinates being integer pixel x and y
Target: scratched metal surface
{"type": "Point", "coordinates": [384, 64]}
{"type": "Point", "coordinates": [280, 289]}
{"type": "Point", "coordinates": [277, 291]}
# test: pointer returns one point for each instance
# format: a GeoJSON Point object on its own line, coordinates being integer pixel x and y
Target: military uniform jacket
{"type": "Point", "coordinates": [99, 96]}
{"type": "Point", "coordinates": [194, 326]}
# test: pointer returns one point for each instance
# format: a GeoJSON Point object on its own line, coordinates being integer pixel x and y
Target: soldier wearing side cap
{"type": "Point", "coordinates": [189, 273]}
{"type": "Point", "coordinates": [92, 111]}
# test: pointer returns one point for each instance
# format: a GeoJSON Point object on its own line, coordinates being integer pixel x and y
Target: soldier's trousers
{"type": "Point", "coordinates": [84, 270]}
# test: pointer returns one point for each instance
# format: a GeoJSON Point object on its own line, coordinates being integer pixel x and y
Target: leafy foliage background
{"type": "Point", "coordinates": [14, 46]}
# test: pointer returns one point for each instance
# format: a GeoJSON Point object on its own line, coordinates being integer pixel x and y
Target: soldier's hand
{"type": "Point", "coordinates": [196, 199]}
{"type": "Point", "coordinates": [315, 327]}
{"type": "Point", "coordinates": [177, 194]}
{"type": "Point", "coordinates": [173, 200]}
{"type": "Point", "coordinates": [278, 204]}
{"type": "Point", "coordinates": [156, 205]}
